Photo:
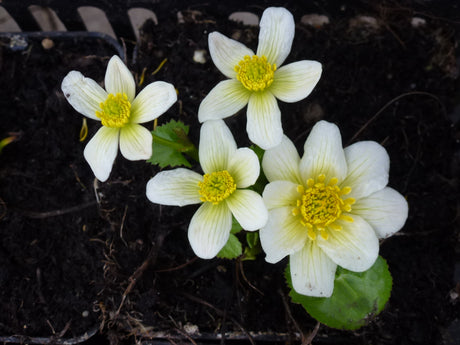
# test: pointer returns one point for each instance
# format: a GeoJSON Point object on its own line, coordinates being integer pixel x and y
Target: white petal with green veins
{"type": "Point", "coordinates": [177, 187]}
{"type": "Point", "coordinates": [101, 151]}
{"type": "Point", "coordinates": [118, 78]}
{"type": "Point", "coordinates": [209, 229]}
{"type": "Point", "coordinates": [135, 142]}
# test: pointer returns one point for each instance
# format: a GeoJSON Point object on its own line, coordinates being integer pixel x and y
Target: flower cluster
{"type": "Point", "coordinates": [325, 209]}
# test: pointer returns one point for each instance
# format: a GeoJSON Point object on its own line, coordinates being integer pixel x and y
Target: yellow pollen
{"type": "Point", "coordinates": [320, 204]}
{"type": "Point", "coordinates": [115, 110]}
{"type": "Point", "coordinates": [256, 73]}
{"type": "Point", "coordinates": [216, 186]}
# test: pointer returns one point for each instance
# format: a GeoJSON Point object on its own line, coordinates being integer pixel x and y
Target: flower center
{"type": "Point", "coordinates": [321, 204]}
{"type": "Point", "coordinates": [255, 73]}
{"type": "Point", "coordinates": [115, 111]}
{"type": "Point", "coordinates": [216, 186]}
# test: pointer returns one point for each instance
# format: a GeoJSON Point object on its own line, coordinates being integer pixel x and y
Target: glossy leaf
{"type": "Point", "coordinates": [356, 299]}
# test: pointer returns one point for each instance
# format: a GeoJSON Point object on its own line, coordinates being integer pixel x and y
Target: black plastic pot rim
{"type": "Point", "coordinates": [23, 339]}
{"type": "Point", "coordinates": [19, 40]}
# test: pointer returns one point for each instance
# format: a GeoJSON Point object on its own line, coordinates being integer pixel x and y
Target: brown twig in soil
{"type": "Point", "coordinates": [312, 335]}
{"type": "Point", "coordinates": [176, 268]}
{"type": "Point", "coordinates": [220, 312]}
{"type": "Point", "coordinates": [65, 329]}
{"type": "Point", "coordinates": [151, 259]}
{"type": "Point", "coordinates": [3, 205]}
{"type": "Point", "coordinates": [185, 335]}
{"type": "Point", "coordinates": [289, 314]}
{"type": "Point", "coordinates": [41, 298]}
{"type": "Point", "coordinates": [51, 326]}
{"type": "Point", "coordinates": [397, 98]}
{"type": "Point", "coordinates": [240, 263]}
{"type": "Point", "coordinates": [55, 213]}
{"type": "Point", "coordinates": [122, 225]}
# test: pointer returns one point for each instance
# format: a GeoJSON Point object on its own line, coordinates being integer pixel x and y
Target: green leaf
{"type": "Point", "coordinates": [254, 248]}
{"type": "Point", "coordinates": [236, 227]}
{"type": "Point", "coordinates": [356, 299]}
{"type": "Point", "coordinates": [252, 239]}
{"type": "Point", "coordinates": [170, 142]}
{"type": "Point", "coordinates": [261, 180]}
{"type": "Point", "coordinates": [232, 248]}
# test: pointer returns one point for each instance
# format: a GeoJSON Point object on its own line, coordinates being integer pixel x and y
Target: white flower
{"type": "Point", "coordinates": [120, 113]}
{"type": "Point", "coordinates": [257, 79]}
{"type": "Point", "coordinates": [328, 208]}
{"type": "Point", "coordinates": [227, 170]}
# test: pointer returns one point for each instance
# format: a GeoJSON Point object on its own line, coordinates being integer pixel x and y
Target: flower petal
{"type": "Point", "coordinates": [225, 99]}
{"type": "Point", "coordinates": [277, 29]}
{"type": "Point", "coordinates": [280, 193]}
{"type": "Point", "coordinates": [355, 247]}
{"type": "Point", "coordinates": [386, 211]}
{"type": "Point", "coordinates": [282, 235]}
{"type": "Point", "coordinates": [152, 102]}
{"type": "Point", "coordinates": [368, 167]}
{"type": "Point", "coordinates": [248, 208]}
{"type": "Point", "coordinates": [312, 272]}
{"type": "Point", "coordinates": [244, 167]}
{"type": "Point", "coordinates": [135, 142]}
{"type": "Point", "coordinates": [296, 81]}
{"type": "Point", "coordinates": [226, 53]}
{"type": "Point", "coordinates": [118, 79]}
{"type": "Point", "coordinates": [264, 120]}
{"type": "Point", "coordinates": [282, 162]}
{"type": "Point", "coordinates": [83, 94]}
{"type": "Point", "coordinates": [177, 187]}
{"type": "Point", "coordinates": [209, 229]}
{"type": "Point", "coordinates": [323, 153]}
{"type": "Point", "coordinates": [101, 151]}
{"type": "Point", "coordinates": [216, 146]}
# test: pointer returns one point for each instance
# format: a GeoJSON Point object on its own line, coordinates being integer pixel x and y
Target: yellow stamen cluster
{"type": "Point", "coordinates": [216, 186]}
{"type": "Point", "coordinates": [115, 111]}
{"type": "Point", "coordinates": [255, 73]}
{"type": "Point", "coordinates": [321, 204]}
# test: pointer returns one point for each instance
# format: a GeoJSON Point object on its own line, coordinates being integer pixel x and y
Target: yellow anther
{"type": "Point", "coordinates": [333, 181]}
{"type": "Point", "coordinates": [335, 226]}
{"type": "Point", "coordinates": [256, 73]}
{"type": "Point", "coordinates": [345, 191]}
{"type": "Point", "coordinates": [346, 218]}
{"type": "Point", "coordinates": [83, 130]}
{"type": "Point", "coordinates": [311, 234]}
{"type": "Point", "coordinates": [115, 110]}
{"type": "Point", "coordinates": [159, 66]}
{"type": "Point", "coordinates": [324, 234]}
{"type": "Point", "coordinates": [216, 186]}
{"type": "Point", "coordinates": [320, 205]}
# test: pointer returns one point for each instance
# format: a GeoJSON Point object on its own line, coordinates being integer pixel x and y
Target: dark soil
{"type": "Point", "coordinates": [76, 254]}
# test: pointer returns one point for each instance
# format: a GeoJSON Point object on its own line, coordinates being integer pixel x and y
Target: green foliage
{"type": "Point", "coordinates": [356, 299]}
{"type": "Point", "coordinates": [170, 142]}
{"type": "Point", "coordinates": [261, 180]}
{"type": "Point", "coordinates": [253, 246]}
{"type": "Point", "coordinates": [232, 249]}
